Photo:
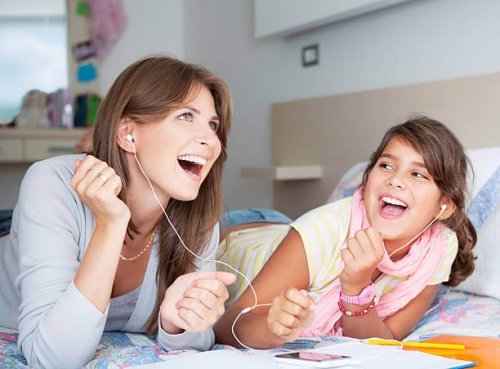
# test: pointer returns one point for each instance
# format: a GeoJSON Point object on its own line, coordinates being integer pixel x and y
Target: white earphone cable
{"type": "Point", "coordinates": [130, 139]}
{"type": "Point", "coordinates": [443, 208]}
{"type": "Point", "coordinates": [245, 310]}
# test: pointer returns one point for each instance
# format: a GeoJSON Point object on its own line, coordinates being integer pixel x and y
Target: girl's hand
{"type": "Point", "coordinates": [291, 312]}
{"type": "Point", "coordinates": [98, 187]}
{"type": "Point", "coordinates": [361, 257]}
{"type": "Point", "coordinates": [195, 301]}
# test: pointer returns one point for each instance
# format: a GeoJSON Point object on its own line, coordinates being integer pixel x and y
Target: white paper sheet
{"type": "Point", "coordinates": [363, 355]}
{"type": "Point", "coordinates": [216, 359]}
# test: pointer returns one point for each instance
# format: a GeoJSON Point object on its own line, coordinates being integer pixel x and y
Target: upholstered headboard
{"type": "Point", "coordinates": [339, 131]}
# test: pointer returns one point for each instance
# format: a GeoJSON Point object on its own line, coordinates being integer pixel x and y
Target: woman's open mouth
{"type": "Point", "coordinates": [192, 164]}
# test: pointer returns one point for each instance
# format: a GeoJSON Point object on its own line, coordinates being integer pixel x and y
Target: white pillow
{"type": "Point", "coordinates": [486, 277]}
{"type": "Point", "coordinates": [485, 162]}
{"type": "Point", "coordinates": [484, 211]}
{"type": "Point", "coordinates": [348, 183]}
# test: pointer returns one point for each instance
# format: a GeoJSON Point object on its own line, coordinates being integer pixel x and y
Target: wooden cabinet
{"type": "Point", "coordinates": [11, 150]}
{"type": "Point", "coordinates": [30, 145]}
{"type": "Point", "coordinates": [21, 147]}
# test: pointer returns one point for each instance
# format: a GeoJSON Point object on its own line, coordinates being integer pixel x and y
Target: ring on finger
{"type": "Point", "coordinates": [99, 175]}
{"type": "Point", "coordinates": [93, 171]}
{"type": "Point", "coordinates": [102, 178]}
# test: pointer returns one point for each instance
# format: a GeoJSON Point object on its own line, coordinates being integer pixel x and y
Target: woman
{"type": "Point", "coordinates": [91, 248]}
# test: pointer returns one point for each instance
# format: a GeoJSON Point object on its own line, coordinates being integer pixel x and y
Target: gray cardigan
{"type": "Point", "coordinates": [51, 228]}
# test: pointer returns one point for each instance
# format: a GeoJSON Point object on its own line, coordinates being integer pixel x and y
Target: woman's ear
{"type": "Point", "coordinates": [125, 131]}
{"type": "Point", "coordinates": [449, 207]}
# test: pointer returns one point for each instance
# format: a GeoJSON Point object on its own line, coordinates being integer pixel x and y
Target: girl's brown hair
{"type": "Point", "coordinates": [147, 91]}
{"type": "Point", "coordinates": [447, 163]}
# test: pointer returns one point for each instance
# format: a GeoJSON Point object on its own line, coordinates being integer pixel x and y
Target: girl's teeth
{"type": "Point", "coordinates": [392, 201]}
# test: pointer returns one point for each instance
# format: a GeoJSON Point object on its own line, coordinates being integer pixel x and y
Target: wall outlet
{"type": "Point", "coordinates": [310, 55]}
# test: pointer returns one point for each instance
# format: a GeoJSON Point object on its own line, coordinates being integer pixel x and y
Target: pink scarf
{"type": "Point", "coordinates": [420, 264]}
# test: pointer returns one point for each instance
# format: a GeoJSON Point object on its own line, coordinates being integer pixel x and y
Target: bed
{"type": "Point", "coordinates": [458, 313]}
{"type": "Point", "coordinates": [302, 136]}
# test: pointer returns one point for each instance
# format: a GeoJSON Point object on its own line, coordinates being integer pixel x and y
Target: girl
{"type": "Point", "coordinates": [360, 267]}
{"type": "Point", "coordinates": [90, 248]}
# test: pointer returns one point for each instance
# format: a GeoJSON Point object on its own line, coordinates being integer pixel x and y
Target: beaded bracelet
{"type": "Point", "coordinates": [356, 313]}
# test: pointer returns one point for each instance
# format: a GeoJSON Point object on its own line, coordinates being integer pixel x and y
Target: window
{"type": "Point", "coordinates": [33, 53]}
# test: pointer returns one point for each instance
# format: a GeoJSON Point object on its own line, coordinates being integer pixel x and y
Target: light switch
{"type": "Point", "coordinates": [310, 55]}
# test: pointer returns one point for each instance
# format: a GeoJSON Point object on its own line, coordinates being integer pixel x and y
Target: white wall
{"type": "Point", "coordinates": [153, 26]}
{"type": "Point", "coordinates": [422, 40]}
{"type": "Point", "coordinates": [277, 17]}
{"type": "Point", "coordinates": [418, 41]}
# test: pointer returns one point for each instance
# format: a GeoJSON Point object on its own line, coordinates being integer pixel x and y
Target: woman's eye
{"type": "Point", "coordinates": [186, 116]}
{"type": "Point", "coordinates": [214, 126]}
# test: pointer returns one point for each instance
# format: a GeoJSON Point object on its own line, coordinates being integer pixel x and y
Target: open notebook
{"type": "Point", "coordinates": [386, 357]}
{"type": "Point", "coordinates": [363, 356]}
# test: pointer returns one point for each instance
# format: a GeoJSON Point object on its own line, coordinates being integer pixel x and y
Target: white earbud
{"type": "Point", "coordinates": [130, 138]}
{"type": "Point", "coordinates": [443, 208]}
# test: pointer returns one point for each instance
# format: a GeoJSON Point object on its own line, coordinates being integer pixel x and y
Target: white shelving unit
{"type": "Point", "coordinates": [20, 147]}
{"type": "Point", "coordinates": [284, 172]}
{"type": "Point", "coordinates": [29, 145]}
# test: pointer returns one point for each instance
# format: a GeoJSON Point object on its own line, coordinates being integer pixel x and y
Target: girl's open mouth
{"type": "Point", "coordinates": [391, 207]}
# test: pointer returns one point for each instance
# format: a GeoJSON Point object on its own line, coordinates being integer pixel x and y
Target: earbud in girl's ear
{"type": "Point", "coordinates": [130, 138]}
{"type": "Point", "coordinates": [443, 208]}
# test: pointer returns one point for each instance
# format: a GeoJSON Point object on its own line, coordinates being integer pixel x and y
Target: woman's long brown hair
{"type": "Point", "coordinates": [447, 163]}
{"type": "Point", "coordinates": [147, 91]}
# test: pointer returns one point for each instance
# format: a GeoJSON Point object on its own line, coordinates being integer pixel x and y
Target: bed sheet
{"type": "Point", "coordinates": [461, 313]}
{"type": "Point", "coordinates": [458, 313]}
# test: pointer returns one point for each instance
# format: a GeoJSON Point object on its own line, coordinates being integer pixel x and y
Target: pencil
{"type": "Point", "coordinates": [433, 345]}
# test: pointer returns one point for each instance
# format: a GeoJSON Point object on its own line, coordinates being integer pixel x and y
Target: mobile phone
{"type": "Point", "coordinates": [314, 359]}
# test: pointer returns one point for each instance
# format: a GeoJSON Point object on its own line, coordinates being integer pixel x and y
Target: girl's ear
{"type": "Point", "coordinates": [125, 128]}
{"type": "Point", "coordinates": [450, 207]}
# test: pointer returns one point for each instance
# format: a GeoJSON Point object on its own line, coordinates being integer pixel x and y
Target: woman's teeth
{"type": "Point", "coordinates": [193, 159]}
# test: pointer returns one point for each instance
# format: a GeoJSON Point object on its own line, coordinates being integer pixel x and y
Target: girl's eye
{"type": "Point", "coordinates": [385, 166]}
{"type": "Point", "coordinates": [214, 126]}
{"type": "Point", "coordinates": [186, 116]}
{"type": "Point", "coordinates": [419, 175]}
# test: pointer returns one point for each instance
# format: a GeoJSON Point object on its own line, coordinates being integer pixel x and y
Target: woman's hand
{"type": "Point", "coordinates": [291, 312]}
{"type": "Point", "coordinates": [98, 187]}
{"type": "Point", "coordinates": [361, 257]}
{"type": "Point", "coordinates": [195, 301]}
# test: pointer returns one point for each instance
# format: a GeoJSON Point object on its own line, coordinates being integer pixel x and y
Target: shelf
{"type": "Point", "coordinates": [74, 133]}
{"type": "Point", "coordinates": [18, 145]}
{"type": "Point", "coordinates": [283, 172]}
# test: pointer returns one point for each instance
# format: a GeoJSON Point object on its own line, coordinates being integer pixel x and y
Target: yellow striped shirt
{"type": "Point", "coordinates": [323, 231]}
